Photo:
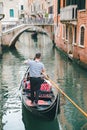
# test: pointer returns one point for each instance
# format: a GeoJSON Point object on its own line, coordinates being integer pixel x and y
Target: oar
{"type": "Point", "coordinates": [55, 85]}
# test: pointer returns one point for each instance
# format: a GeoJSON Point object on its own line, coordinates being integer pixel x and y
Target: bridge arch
{"type": "Point", "coordinates": [17, 35]}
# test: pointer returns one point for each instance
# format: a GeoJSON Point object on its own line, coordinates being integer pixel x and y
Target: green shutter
{"type": "Point", "coordinates": [58, 8]}
{"type": "Point", "coordinates": [81, 4]}
{"type": "Point", "coordinates": [11, 13]}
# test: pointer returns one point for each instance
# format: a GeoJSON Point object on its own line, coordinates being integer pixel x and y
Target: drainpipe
{"type": "Point", "coordinates": [0, 33]}
{"type": "Point", "coordinates": [57, 17]}
{"type": "Point", "coordinates": [55, 26]}
{"type": "Point", "coordinates": [57, 12]}
{"type": "Point", "coordinates": [0, 38]}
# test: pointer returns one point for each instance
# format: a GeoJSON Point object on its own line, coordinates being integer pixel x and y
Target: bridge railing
{"type": "Point", "coordinates": [32, 21]}
{"type": "Point", "coordinates": [40, 21]}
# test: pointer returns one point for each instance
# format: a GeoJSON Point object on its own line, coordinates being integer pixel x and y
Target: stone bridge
{"type": "Point", "coordinates": [10, 36]}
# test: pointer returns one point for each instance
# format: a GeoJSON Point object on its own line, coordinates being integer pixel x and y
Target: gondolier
{"type": "Point", "coordinates": [49, 99]}
{"type": "Point", "coordinates": [36, 68]}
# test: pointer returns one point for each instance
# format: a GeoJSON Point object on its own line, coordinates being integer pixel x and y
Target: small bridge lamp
{"type": "Point", "coordinates": [2, 16]}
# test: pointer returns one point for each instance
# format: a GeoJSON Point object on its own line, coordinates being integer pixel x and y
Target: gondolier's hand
{"type": "Point", "coordinates": [26, 61]}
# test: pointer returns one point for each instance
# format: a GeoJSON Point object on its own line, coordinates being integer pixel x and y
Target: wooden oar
{"type": "Point", "coordinates": [55, 85]}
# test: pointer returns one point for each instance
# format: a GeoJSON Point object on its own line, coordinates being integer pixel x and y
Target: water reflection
{"type": "Point", "coordinates": [17, 54]}
{"type": "Point", "coordinates": [71, 79]}
{"type": "Point", "coordinates": [33, 123]}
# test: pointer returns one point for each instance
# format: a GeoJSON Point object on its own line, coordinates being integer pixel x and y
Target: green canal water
{"type": "Point", "coordinates": [71, 78]}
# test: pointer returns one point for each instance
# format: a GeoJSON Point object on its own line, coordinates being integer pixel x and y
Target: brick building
{"type": "Point", "coordinates": [70, 19]}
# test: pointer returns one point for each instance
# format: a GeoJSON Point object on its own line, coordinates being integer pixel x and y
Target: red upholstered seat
{"type": "Point", "coordinates": [28, 85]}
{"type": "Point", "coordinates": [44, 87]}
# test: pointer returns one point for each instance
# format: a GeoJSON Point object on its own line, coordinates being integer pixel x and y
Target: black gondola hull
{"type": "Point", "coordinates": [49, 113]}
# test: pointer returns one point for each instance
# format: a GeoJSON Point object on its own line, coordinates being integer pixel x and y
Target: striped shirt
{"type": "Point", "coordinates": [36, 68]}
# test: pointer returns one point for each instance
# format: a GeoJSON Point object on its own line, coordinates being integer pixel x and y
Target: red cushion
{"type": "Point", "coordinates": [45, 87]}
{"type": "Point", "coordinates": [28, 85]}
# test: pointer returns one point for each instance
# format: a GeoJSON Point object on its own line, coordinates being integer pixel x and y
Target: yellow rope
{"type": "Point", "coordinates": [55, 85]}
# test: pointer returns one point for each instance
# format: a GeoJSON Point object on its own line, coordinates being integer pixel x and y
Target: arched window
{"type": "Point", "coordinates": [66, 32]}
{"type": "Point", "coordinates": [82, 36]}
{"type": "Point", "coordinates": [75, 34]}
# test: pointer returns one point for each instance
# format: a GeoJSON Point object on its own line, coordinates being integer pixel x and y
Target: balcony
{"type": "Point", "coordinates": [68, 14]}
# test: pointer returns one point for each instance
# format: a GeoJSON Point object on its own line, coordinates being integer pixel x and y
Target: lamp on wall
{"type": "Point", "coordinates": [2, 16]}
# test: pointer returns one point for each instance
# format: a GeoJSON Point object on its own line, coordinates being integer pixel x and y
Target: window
{"type": "Point", "coordinates": [31, 8]}
{"type": "Point", "coordinates": [1, 8]}
{"type": "Point", "coordinates": [82, 36]}
{"type": "Point", "coordinates": [71, 2]}
{"type": "Point", "coordinates": [81, 4]}
{"type": "Point", "coordinates": [66, 32]}
{"type": "Point", "coordinates": [67, 2]}
{"type": "Point", "coordinates": [74, 2]}
{"type": "Point", "coordinates": [11, 13]}
{"type": "Point", "coordinates": [50, 10]}
{"type": "Point", "coordinates": [22, 7]}
{"type": "Point", "coordinates": [63, 33]}
{"type": "Point", "coordinates": [58, 8]}
{"type": "Point", "coordinates": [34, 8]}
{"type": "Point", "coordinates": [75, 34]}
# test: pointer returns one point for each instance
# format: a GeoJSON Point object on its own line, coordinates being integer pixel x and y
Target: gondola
{"type": "Point", "coordinates": [49, 100]}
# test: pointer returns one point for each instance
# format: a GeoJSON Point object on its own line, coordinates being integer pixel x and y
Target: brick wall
{"type": "Point", "coordinates": [80, 52]}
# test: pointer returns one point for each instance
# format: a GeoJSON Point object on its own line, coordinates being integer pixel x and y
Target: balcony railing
{"type": "Point", "coordinates": [69, 13]}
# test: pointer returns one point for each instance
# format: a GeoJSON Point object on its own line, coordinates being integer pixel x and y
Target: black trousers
{"type": "Point", "coordinates": [35, 84]}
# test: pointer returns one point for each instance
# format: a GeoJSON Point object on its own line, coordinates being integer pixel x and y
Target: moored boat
{"type": "Point", "coordinates": [48, 106]}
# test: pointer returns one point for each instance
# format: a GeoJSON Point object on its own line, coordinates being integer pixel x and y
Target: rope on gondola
{"type": "Point", "coordinates": [55, 85]}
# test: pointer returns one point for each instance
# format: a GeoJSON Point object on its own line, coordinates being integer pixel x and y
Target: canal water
{"type": "Point", "coordinates": [69, 77]}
